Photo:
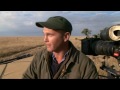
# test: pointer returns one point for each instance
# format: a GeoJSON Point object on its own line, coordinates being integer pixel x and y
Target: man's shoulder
{"type": "Point", "coordinates": [40, 54]}
{"type": "Point", "coordinates": [42, 50]}
{"type": "Point", "coordinates": [84, 58]}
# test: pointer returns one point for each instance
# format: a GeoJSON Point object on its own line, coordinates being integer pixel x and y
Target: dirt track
{"type": "Point", "coordinates": [15, 69]}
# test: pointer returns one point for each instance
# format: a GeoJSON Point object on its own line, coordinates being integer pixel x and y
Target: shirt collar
{"type": "Point", "coordinates": [53, 56]}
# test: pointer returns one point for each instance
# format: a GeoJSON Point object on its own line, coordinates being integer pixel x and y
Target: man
{"type": "Point", "coordinates": [59, 59]}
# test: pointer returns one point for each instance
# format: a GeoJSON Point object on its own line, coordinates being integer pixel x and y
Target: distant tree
{"type": "Point", "coordinates": [86, 32]}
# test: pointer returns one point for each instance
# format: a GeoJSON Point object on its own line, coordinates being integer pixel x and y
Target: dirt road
{"type": "Point", "coordinates": [14, 70]}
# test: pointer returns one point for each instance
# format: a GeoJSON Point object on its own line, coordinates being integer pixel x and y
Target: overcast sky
{"type": "Point", "coordinates": [22, 23]}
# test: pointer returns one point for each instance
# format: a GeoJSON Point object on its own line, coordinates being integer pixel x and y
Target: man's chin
{"type": "Point", "coordinates": [49, 50]}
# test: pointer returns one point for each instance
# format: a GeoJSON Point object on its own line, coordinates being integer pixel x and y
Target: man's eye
{"type": "Point", "coordinates": [50, 35]}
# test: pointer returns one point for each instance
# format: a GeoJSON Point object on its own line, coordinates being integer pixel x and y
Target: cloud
{"type": "Point", "coordinates": [22, 23]}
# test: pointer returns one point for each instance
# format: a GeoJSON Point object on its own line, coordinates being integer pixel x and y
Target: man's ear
{"type": "Point", "coordinates": [66, 36]}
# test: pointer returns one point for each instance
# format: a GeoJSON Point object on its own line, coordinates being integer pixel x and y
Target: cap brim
{"type": "Point", "coordinates": [40, 24]}
{"type": "Point", "coordinates": [45, 24]}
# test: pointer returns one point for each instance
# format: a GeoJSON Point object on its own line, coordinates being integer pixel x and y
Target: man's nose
{"type": "Point", "coordinates": [45, 39]}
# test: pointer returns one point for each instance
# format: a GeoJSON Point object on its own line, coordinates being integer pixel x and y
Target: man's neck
{"type": "Point", "coordinates": [60, 55]}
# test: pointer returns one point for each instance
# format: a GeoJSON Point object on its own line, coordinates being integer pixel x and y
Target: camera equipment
{"type": "Point", "coordinates": [107, 44]}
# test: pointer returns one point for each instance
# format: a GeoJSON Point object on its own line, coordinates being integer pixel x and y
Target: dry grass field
{"type": "Point", "coordinates": [11, 46]}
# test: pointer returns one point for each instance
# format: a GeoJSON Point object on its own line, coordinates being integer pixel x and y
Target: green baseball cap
{"type": "Point", "coordinates": [56, 23]}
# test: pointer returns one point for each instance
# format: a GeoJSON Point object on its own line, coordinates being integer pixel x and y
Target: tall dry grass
{"type": "Point", "coordinates": [13, 45]}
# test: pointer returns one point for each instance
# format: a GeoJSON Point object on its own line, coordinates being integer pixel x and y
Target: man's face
{"type": "Point", "coordinates": [54, 40]}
